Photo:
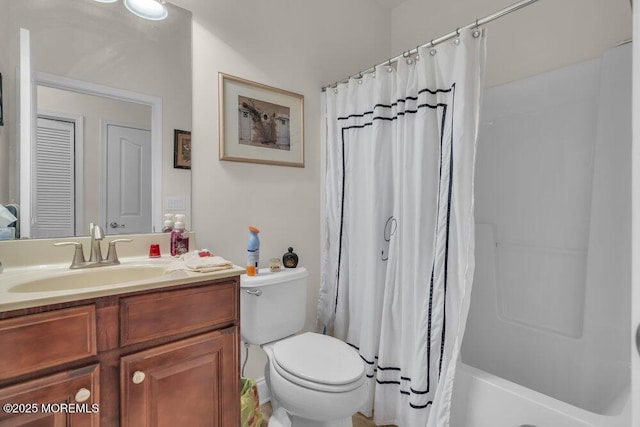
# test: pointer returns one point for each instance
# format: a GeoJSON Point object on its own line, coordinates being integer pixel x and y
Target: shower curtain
{"type": "Point", "coordinates": [398, 227]}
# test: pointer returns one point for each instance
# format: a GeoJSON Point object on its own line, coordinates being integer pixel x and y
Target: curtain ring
{"type": "Point", "coordinates": [476, 32]}
{"type": "Point", "coordinates": [432, 52]}
{"type": "Point", "coordinates": [458, 30]}
{"type": "Point", "coordinates": [417, 53]}
{"type": "Point", "coordinates": [389, 67]}
{"type": "Point", "coordinates": [456, 41]}
{"type": "Point", "coordinates": [407, 55]}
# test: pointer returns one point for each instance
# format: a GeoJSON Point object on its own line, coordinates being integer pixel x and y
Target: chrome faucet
{"type": "Point", "coordinates": [95, 259]}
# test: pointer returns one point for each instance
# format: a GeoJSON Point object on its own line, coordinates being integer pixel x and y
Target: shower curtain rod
{"type": "Point", "coordinates": [507, 10]}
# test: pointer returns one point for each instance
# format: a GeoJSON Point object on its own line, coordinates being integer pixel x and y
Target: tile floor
{"type": "Point", "coordinates": [359, 420]}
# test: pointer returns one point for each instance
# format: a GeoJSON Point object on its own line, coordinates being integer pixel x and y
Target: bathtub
{"type": "Point", "coordinates": [484, 400]}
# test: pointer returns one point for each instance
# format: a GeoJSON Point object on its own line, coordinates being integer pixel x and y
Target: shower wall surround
{"type": "Point", "coordinates": [550, 303]}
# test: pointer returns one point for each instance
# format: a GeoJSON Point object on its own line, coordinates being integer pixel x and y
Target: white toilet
{"type": "Point", "coordinates": [319, 380]}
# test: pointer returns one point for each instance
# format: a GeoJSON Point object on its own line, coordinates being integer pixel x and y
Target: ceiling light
{"type": "Point", "coordinates": [106, 1]}
{"type": "Point", "coordinates": [153, 10]}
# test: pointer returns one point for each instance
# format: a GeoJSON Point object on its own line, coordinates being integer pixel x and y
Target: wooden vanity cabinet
{"type": "Point", "coordinates": [166, 357]}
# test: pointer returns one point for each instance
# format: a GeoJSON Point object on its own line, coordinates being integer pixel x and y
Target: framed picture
{"type": "Point", "coordinates": [181, 149]}
{"type": "Point", "coordinates": [260, 123]}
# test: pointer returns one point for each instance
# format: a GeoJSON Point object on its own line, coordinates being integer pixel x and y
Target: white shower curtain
{"type": "Point", "coordinates": [399, 239]}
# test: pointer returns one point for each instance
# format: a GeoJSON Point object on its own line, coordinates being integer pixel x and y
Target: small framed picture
{"type": "Point", "coordinates": [260, 123]}
{"type": "Point", "coordinates": [181, 149]}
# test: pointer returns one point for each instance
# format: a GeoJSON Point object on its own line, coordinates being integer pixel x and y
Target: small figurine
{"type": "Point", "coordinates": [290, 259]}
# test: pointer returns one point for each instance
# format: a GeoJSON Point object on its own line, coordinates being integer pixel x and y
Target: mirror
{"type": "Point", "coordinates": [83, 54]}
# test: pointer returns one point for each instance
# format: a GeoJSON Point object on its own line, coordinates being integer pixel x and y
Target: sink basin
{"type": "Point", "coordinates": [90, 278]}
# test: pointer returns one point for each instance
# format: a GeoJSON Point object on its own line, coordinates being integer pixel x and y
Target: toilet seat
{"type": "Point", "coordinates": [318, 362]}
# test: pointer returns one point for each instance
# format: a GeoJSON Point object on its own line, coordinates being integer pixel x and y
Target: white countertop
{"type": "Point", "coordinates": [12, 300]}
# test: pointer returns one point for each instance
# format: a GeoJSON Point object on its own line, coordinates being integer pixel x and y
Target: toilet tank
{"type": "Point", "coordinates": [272, 305]}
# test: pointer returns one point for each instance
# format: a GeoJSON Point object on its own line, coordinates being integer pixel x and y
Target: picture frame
{"type": "Point", "coordinates": [259, 123]}
{"type": "Point", "coordinates": [181, 149]}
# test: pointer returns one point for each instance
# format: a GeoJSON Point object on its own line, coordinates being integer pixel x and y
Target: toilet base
{"type": "Point", "coordinates": [301, 422]}
{"type": "Point", "coordinates": [296, 421]}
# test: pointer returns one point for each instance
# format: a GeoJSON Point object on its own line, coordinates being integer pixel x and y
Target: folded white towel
{"type": "Point", "coordinates": [192, 261]}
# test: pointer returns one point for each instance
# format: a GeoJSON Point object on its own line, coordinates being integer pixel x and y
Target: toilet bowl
{"type": "Point", "coordinates": [319, 380]}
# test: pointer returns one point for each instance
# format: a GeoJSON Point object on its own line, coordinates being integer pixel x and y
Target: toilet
{"type": "Point", "coordinates": [319, 380]}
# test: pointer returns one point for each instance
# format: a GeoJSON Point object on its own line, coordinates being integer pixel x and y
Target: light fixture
{"type": "Point", "coordinates": [106, 1]}
{"type": "Point", "coordinates": [154, 10]}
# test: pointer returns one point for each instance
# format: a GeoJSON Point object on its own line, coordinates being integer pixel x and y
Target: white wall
{"type": "Point", "coordinates": [543, 36]}
{"type": "Point", "coordinates": [635, 223]}
{"type": "Point", "coordinates": [294, 45]}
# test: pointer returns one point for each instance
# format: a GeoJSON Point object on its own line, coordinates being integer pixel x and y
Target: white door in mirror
{"type": "Point", "coordinates": [128, 180]}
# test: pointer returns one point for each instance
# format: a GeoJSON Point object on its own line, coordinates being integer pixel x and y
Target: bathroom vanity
{"type": "Point", "coordinates": [142, 355]}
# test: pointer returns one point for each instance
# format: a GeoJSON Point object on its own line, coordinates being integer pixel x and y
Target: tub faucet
{"type": "Point", "coordinates": [97, 235]}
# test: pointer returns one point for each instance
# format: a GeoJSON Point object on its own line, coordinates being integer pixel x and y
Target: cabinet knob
{"type": "Point", "coordinates": [138, 377]}
{"type": "Point", "coordinates": [82, 395]}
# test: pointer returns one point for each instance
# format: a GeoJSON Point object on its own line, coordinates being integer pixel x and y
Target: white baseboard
{"type": "Point", "coordinates": [263, 391]}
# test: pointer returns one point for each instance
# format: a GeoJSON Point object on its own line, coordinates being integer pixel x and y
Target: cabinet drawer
{"type": "Point", "coordinates": [67, 335]}
{"type": "Point", "coordinates": [161, 314]}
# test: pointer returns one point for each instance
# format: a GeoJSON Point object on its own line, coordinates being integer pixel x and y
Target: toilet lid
{"type": "Point", "coordinates": [319, 358]}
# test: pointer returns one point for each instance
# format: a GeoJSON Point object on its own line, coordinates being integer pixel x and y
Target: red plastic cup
{"type": "Point", "coordinates": [154, 250]}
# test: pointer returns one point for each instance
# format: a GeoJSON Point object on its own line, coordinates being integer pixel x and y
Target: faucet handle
{"type": "Point", "coordinates": [78, 255]}
{"type": "Point", "coordinates": [112, 256]}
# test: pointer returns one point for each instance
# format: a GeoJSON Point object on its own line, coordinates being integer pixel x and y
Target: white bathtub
{"type": "Point", "coordinates": [484, 400]}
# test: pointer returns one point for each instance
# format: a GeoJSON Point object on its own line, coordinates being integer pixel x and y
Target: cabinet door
{"type": "Point", "coordinates": [193, 382]}
{"type": "Point", "coordinates": [67, 399]}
